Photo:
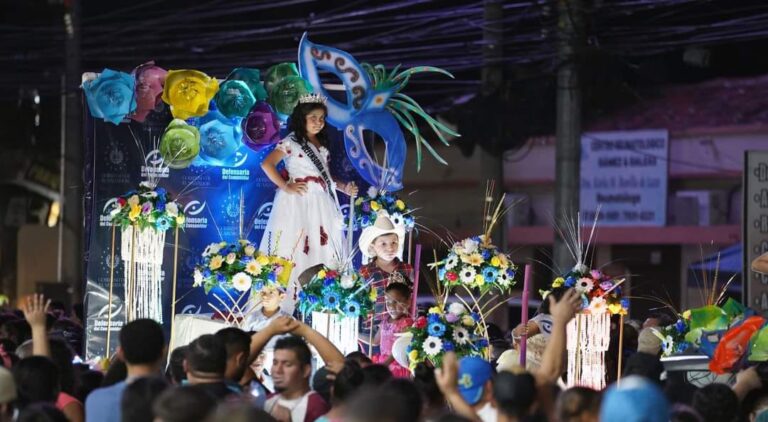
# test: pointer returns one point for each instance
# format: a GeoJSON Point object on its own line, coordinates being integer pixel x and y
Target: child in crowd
{"type": "Point", "coordinates": [398, 319]}
{"type": "Point", "coordinates": [382, 243]}
{"type": "Point", "coordinates": [271, 295]}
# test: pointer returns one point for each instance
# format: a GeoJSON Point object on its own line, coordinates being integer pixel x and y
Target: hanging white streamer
{"type": "Point", "coordinates": [143, 292]}
{"type": "Point", "coordinates": [588, 337]}
{"type": "Point", "coordinates": [339, 330]}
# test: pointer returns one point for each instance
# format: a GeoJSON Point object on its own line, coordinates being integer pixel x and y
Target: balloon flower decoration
{"type": "Point", "coordinates": [111, 95]}
{"type": "Point", "coordinates": [374, 102]}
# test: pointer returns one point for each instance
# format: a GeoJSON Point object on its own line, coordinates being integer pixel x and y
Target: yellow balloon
{"type": "Point", "coordinates": [189, 92]}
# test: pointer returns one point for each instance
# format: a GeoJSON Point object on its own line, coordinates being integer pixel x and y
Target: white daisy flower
{"type": "Point", "coordinates": [451, 262]}
{"type": "Point", "coordinates": [172, 209]}
{"type": "Point", "coordinates": [468, 275]}
{"type": "Point", "coordinates": [347, 281]}
{"type": "Point", "coordinates": [432, 346]}
{"type": "Point", "coordinates": [456, 308]}
{"type": "Point", "coordinates": [150, 194]}
{"type": "Point", "coordinates": [253, 267]}
{"type": "Point", "coordinates": [249, 250]}
{"type": "Point", "coordinates": [373, 192]}
{"type": "Point", "coordinates": [241, 282]}
{"type": "Point", "coordinates": [584, 285]}
{"type": "Point", "coordinates": [598, 306]}
{"type": "Point", "coordinates": [397, 219]}
{"type": "Point", "coordinates": [460, 335]}
{"type": "Point", "coordinates": [198, 279]}
{"type": "Point", "coordinates": [469, 245]}
{"type": "Point", "coordinates": [231, 258]}
{"type": "Point", "coordinates": [503, 279]}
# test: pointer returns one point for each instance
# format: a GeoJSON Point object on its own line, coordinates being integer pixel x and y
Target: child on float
{"type": "Point", "coordinates": [306, 221]}
{"type": "Point", "coordinates": [397, 300]}
{"type": "Point", "coordinates": [382, 243]}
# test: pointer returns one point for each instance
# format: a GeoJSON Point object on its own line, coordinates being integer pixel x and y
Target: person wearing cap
{"type": "Point", "coordinates": [475, 381]}
{"type": "Point", "coordinates": [7, 396]}
{"type": "Point", "coordinates": [636, 399]}
{"type": "Point", "coordinates": [382, 243]}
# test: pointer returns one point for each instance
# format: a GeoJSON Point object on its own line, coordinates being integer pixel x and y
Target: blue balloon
{"type": "Point", "coordinates": [381, 122]}
{"type": "Point", "coordinates": [111, 96]}
{"type": "Point", "coordinates": [220, 138]}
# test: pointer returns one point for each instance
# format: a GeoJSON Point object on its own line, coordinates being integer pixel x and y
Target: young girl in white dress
{"type": "Point", "coordinates": [306, 224]}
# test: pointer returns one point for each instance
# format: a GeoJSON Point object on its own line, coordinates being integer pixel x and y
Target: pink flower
{"type": "Point", "coordinates": [606, 285]}
{"type": "Point", "coordinates": [596, 274]}
{"type": "Point", "coordinates": [278, 269]}
{"type": "Point", "coordinates": [451, 318]}
{"type": "Point", "coordinates": [146, 208]}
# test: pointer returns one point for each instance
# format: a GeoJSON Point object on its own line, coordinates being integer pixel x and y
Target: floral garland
{"type": "Point", "coordinates": [367, 209]}
{"type": "Point", "coordinates": [474, 263]}
{"type": "Point", "coordinates": [599, 292]}
{"type": "Point", "coordinates": [241, 267]}
{"type": "Point", "coordinates": [439, 332]}
{"type": "Point", "coordinates": [147, 207]}
{"type": "Point", "coordinates": [338, 293]}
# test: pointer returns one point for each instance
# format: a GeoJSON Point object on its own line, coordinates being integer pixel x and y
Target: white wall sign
{"type": "Point", "coordinates": [755, 226]}
{"type": "Point", "coordinates": [625, 173]}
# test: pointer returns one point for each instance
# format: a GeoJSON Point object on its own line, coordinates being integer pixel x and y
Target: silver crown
{"type": "Point", "coordinates": [312, 99]}
{"type": "Point", "coordinates": [396, 277]}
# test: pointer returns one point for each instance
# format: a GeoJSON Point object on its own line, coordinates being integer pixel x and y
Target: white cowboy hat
{"type": "Point", "coordinates": [381, 227]}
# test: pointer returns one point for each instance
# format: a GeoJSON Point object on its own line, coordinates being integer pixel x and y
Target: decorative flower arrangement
{"type": "Point", "coordinates": [341, 293]}
{"type": "Point", "coordinates": [600, 293]}
{"type": "Point", "coordinates": [456, 330]}
{"type": "Point", "coordinates": [699, 329]}
{"type": "Point", "coordinates": [241, 267]}
{"type": "Point", "coordinates": [147, 207]}
{"type": "Point", "coordinates": [367, 208]}
{"type": "Point", "coordinates": [476, 263]}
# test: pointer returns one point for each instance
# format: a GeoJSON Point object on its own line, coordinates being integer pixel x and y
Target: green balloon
{"type": "Point", "coordinates": [252, 78]}
{"type": "Point", "coordinates": [179, 144]}
{"type": "Point", "coordinates": [278, 72]}
{"type": "Point", "coordinates": [285, 94]}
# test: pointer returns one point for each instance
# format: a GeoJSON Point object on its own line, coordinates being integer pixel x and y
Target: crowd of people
{"type": "Point", "coordinates": [222, 377]}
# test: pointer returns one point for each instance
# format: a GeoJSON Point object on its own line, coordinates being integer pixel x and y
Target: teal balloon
{"type": "Point", "coordinates": [111, 96]}
{"type": "Point", "coordinates": [220, 138]}
{"type": "Point", "coordinates": [279, 72]}
{"type": "Point", "coordinates": [234, 99]}
{"type": "Point", "coordinates": [252, 78]}
{"type": "Point", "coordinates": [285, 94]}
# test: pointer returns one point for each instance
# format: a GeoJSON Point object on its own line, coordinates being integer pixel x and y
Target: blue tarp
{"type": "Point", "coordinates": [731, 261]}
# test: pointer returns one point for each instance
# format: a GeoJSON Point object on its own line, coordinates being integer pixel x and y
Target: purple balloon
{"type": "Point", "coordinates": [261, 127]}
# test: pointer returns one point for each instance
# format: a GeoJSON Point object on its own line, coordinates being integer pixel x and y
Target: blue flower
{"type": "Point", "coordinates": [352, 308]}
{"type": "Point", "coordinates": [365, 221]}
{"type": "Point", "coordinates": [302, 296]}
{"type": "Point", "coordinates": [490, 274]}
{"type": "Point", "coordinates": [160, 205]}
{"type": "Point", "coordinates": [433, 318]}
{"type": "Point", "coordinates": [271, 277]}
{"type": "Point", "coordinates": [162, 224]}
{"type": "Point", "coordinates": [625, 303]}
{"type": "Point", "coordinates": [246, 259]}
{"type": "Point", "coordinates": [220, 277]}
{"type": "Point", "coordinates": [436, 329]}
{"type": "Point", "coordinates": [312, 299]}
{"type": "Point", "coordinates": [161, 192]}
{"type": "Point", "coordinates": [448, 346]}
{"type": "Point", "coordinates": [511, 273]}
{"type": "Point", "coordinates": [482, 343]}
{"type": "Point", "coordinates": [328, 282]}
{"type": "Point", "coordinates": [206, 272]}
{"type": "Point", "coordinates": [570, 281]}
{"type": "Point", "coordinates": [680, 326]}
{"type": "Point", "coordinates": [441, 273]}
{"type": "Point", "coordinates": [486, 254]}
{"type": "Point", "coordinates": [258, 286]}
{"type": "Point", "coordinates": [682, 346]}
{"type": "Point", "coordinates": [111, 96]}
{"type": "Point", "coordinates": [476, 316]}
{"type": "Point", "coordinates": [331, 300]}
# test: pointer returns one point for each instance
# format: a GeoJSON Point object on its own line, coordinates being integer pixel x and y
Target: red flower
{"type": "Point", "coordinates": [421, 322]}
{"type": "Point", "coordinates": [331, 274]}
{"type": "Point", "coordinates": [451, 276]}
{"type": "Point", "coordinates": [121, 201]}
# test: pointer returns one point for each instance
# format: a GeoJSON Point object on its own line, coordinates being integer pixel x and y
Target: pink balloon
{"type": "Point", "coordinates": [149, 89]}
{"type": "Point", "coordinates": [261, 127]}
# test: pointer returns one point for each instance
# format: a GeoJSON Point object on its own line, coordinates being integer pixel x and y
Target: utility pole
{"type": "Point", "coordinates": [492, 85]}
{"type": "Point", "coordinates": [568, 130]}
{"type": "Point", "coordinates": [72, 154]}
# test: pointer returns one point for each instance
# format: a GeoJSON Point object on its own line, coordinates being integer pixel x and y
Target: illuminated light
{"type": "Point", "coordinates": [53, 214]}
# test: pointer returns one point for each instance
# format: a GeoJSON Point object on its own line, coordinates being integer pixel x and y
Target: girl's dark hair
{"type": "Point", "coordinates": [175, 372]}
{"type": "Point", "coordinates": [556, 293]}
{"type": "Point", "coordinates": [37, 380]}
{"type": "Point", "coordinates": [297, 122]}
{"type": "Point", "coordinates": [401, 288]}
{"type": "Point", "coordinates": [347, 381]}
{"type": "Point", "coordinates": [424, 379]}
{"type": "Point", "coordinates": [62, 356]}
{"type": "Point", "coordinates": [376, 375]}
